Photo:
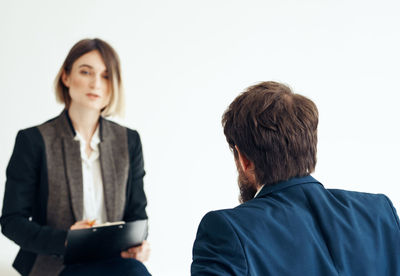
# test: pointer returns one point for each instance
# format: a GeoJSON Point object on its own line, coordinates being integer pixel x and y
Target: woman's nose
{"type": "Point", "coordinates": [96, 82]}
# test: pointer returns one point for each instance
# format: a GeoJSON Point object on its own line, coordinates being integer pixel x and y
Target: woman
{"type": "Point", "coordinates": [75, 169]}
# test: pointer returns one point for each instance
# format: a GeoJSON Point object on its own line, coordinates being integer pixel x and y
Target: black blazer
{"type": "Point", "coordinates": [44, 194]}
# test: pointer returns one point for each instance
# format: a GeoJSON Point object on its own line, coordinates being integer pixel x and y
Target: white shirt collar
{"type": "Point", "coordinates": [94, 142]}
{"type": "Point", "coordinates": [259, 190]}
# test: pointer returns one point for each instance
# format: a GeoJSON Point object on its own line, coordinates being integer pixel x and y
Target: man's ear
{"type": "Point", "coordinates": [245, 163]}
{"type": "Point", "coordinates": [65, 79]}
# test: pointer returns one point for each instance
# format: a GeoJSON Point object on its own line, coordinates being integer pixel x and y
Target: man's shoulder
{"type": "Point", "coordinates": [350, 193]}
{"type": "Point", "coordinates": [374, 204]}
{"type": "Point", "coordinates": [346, 196]}
{"type": "Point", "coordinates": [218, 217]}
{"type": "Point", "coordinates": [243, 210]}
{"type": "Point", "coordinates": [238, 215]}
{"type": "Point", "coordinates": [334, 199]}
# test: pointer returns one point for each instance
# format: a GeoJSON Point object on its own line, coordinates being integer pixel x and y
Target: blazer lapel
{"type": "Point", "coordinates": [108, 171]}
{"type": "Point", "coordinates": [73, 170]}
{"type": "Point", "coordinates": [73, 163]}
{"type": "Point", "coordinates": [113, 164]}
{"type": "Point", "coordinates": [64, 166]}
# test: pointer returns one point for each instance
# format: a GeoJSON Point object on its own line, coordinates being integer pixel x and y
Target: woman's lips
{"type": "Point", "coordinates": [92, 96]}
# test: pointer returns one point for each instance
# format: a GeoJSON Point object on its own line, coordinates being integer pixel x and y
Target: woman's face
{"type": "Point", "coordinates": [88, 83]}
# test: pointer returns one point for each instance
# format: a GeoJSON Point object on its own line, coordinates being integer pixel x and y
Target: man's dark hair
{"type": "Point", "coordinates": [274, 128]}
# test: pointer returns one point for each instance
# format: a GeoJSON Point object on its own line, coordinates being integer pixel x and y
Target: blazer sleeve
{"type": "Point", "coordinates": [217, 249]}
{"type": "Point", "coordinates": [21, 199]}
{"type": "Point", "coordinates": [136, 201]}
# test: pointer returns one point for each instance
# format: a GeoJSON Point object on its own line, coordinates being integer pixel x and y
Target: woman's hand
{"type": "Point", "coordinates": [82, 224]}
{"type": "Point", "coordinates": [140, 253]}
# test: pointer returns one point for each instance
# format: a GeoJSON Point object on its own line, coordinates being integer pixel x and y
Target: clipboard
{"type": "Point", "coordinates": [104, 241]}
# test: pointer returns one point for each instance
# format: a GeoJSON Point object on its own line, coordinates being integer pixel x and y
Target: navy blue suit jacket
{"type": "Point", "coordinates": [298, 227]}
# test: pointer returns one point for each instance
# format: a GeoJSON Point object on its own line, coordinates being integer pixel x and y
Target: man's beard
{"type": "Point", "coordinates": [246, 187]}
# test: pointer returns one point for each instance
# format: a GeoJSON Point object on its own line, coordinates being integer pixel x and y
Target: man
{"type": "Point", "coordinates": [288, 223]}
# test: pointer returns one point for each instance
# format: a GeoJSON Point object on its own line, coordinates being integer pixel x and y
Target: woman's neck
{"type": "Point", "coordinates": [84, 121]}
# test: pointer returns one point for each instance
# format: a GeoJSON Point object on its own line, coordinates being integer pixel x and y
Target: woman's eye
{"type": "Point", "coordinates": [84, 72]}
{"type": "Point", "coordinates": [106, 77]}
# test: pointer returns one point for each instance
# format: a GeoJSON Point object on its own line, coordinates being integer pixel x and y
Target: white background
{"type": "Point", "coordinates": [183, 63]}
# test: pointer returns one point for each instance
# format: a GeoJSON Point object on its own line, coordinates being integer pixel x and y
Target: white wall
{"type": "Point", "coordinates": [184, 62]}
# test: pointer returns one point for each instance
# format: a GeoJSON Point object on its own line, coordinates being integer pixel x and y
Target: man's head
{"type": "Point", "coordinates": [273, 135]}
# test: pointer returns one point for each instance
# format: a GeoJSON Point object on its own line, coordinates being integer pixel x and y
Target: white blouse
{"type": "Point", "coordinates": [93, 194]}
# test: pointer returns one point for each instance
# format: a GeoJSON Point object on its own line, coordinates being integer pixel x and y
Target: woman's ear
{"type": "Point", "coordinates": [65, 79]}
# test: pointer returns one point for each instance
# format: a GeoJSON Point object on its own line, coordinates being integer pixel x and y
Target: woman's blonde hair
{"type": "Point", "coordinates": [116, 105]}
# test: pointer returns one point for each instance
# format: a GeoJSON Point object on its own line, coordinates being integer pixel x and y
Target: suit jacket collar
{"type": "Point", "coordinates": [66, 129]}
{"type": "Point", "coordinates": [286, 184]}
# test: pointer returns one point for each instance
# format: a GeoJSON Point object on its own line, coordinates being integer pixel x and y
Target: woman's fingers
{"type": "Point", "coordinates": [140, 253]}
{"type": "Point", "coordinates": [82, 224]}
